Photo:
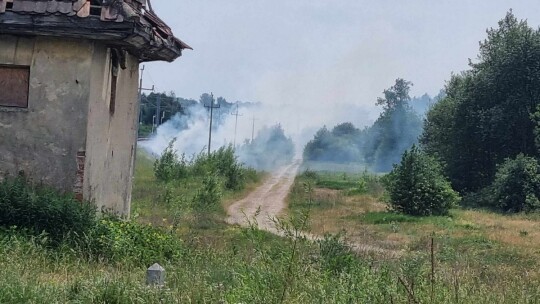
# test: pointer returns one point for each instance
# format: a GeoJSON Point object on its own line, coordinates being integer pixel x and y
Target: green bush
{"type": "Point", "coordinates": [417, 186]}
{"type": "Point", "coordinates": [59, 220]}
{"type": "Point", "coordinates": [335, 255]}
{"type": "Point", "coordinates": [40, 209]}
{"type": "Point", "coordinates": [130, 242]}
{"type": "Point", "coordinates": [310, 174]}
{"type": "Point", "coordinates": [169, 167]}
{"type": "Point", "coordinates": [516, 187]}
{"type": "Point", "coordinates": [223, 162]}
{"type": "Point", "coordinates": [208, 197]}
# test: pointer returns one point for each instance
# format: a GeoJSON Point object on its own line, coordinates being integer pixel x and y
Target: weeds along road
{"type": "Point", "coordinates": [267, 201]}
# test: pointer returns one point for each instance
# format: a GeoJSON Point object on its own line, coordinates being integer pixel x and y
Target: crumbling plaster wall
{"type": "Point", "coordinates": [44, 139]}
{"type": "Point", "coordinates": [67, 137]}
{"type": "Point", "coordinates": [110, 148]}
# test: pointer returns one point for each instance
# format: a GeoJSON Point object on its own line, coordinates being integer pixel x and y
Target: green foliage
{"type": "Point", "coordinates": [417, 186]}
{"type": "Point", "coordinates": [339, 145]}
{"type": "Point", "coordinates": [224, 163]}
{"type": "Point", "coordinates": [64, 222]}
{"type": "Point", "coordinates": [310, 174]}
{"type": "Point", "coordinates": [337, 184]}
{"type": "Point", "coordinates": [516, 187]}
{"type": "Point", "coordinates": [378, 218]}
{"type": "Point", "coordinates": [40, 209]}
{"type": "Point", "coordinates": [269, 150]}
{"type": "Point", "coordinates": [144, 130]}
{"type": "Point", "coordinates": [208, 197]}
{"type": "Point", "coordinates": [486, 116]}
{"type": "Point", "coordinates": [129, 242]}
{"type": "Point", "coordinates": [336, 255]}
{"type": "Point", "coordinates": [169, 167]}
{"type": "Point", "coordinates": [367, 183]}
{"type": "Point", "coordinates": [379, 145]}
{"type": "Point", "coordinates": [252, 266]}
{"type": "Point", "coordinates": [535, 117]}
{"type": "Point", "coordinates": [170, 106]}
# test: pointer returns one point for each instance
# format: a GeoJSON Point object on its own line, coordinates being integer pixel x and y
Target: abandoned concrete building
{"type": "Point", "coordinates": [69, 76]}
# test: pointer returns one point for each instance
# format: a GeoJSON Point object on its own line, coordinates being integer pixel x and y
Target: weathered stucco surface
{"type": "Point", "coordinates": [44, 139]}
{"type": "Point", "coordinates": [111, 140]}
{"type": "Point", "coordinates": [67, 138]}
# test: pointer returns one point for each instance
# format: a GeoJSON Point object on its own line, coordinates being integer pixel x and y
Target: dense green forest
{"type": "Point", "coordinates": [490, 113]}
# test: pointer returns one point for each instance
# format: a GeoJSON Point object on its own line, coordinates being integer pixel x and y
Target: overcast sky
{"type": "Point", "coordinates": [315, 51]}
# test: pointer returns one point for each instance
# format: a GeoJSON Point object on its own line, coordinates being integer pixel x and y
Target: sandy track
{"type": "Point", "coordinates": [268, 198]}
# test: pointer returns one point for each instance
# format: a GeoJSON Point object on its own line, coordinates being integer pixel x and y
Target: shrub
{"type": "Point", "coordinates": [417, 186]}
{"type": "Point", "coordinates": [367, 183]}
{"type": "Point", "coordinates": [223, 162]}
{"type": "Point", "coordinates": [516, 187]}
{"type": "Point", "coordinates": [128, 241]}
{"type": "Point", "coordinates": [41, 209]}
{"type": "Point", "coordinates": [168, 166]}
{"type": "Point", "coordinates": [208, 198]}
{"type": "Point", "coordinates": [335, 255]}
{"type": "Point", "coordinates": [310, 174]}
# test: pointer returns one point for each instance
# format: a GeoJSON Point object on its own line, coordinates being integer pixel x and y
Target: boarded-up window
{"type": "Point", "coordinates": [14, 86]}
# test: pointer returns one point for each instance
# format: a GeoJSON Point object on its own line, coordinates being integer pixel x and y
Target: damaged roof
{"type": "Point", "coordinates": [129, 24]}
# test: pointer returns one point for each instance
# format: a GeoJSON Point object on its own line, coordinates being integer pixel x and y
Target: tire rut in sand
{"type": "Point", "coordinates": [268, 199]}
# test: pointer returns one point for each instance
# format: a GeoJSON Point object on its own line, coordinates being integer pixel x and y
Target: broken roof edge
{"type": "Point", "coordinates": [123, 23]}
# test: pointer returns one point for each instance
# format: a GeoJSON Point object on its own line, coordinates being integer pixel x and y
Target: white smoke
{"type": "Point", "coordinates": [298, 121]}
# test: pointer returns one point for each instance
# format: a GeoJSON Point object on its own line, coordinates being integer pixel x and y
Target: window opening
{"type": "Point", "coordinates": [115, 68]}
{"type": "Point", "coordinates": [14, 86]}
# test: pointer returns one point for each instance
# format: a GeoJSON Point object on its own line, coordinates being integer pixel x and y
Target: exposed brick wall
{"type": "Point", "coordinates": [78, 188]}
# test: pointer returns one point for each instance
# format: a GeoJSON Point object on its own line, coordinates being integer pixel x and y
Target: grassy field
{"type": "Point", "coordinates": [478, 250]}
{"type": "Point", "coordinates": [154, 202]}
{"type": "Point", "coordinates": [479, 257]}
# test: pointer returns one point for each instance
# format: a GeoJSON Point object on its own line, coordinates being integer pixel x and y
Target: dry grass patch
{"type": "Point", "coordinates": [514, 230]}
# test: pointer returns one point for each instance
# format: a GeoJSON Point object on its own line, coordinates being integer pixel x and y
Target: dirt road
{"type": "Point", "coordinates": [268, 199]}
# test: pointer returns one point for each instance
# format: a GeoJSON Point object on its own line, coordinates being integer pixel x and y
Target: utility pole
{"type": "Point", "coordinates": [212, 107]}
{"type": "Point", "coordinates": [139, 121]}
{"type": "Point", "coordinates": [253, 129]}
{"type": "Point", "coordinates": [236, 123]}
{"type": "Point", "coordinates": [139, 98]}
{"type": "Point", "coordinates": [158, 110]}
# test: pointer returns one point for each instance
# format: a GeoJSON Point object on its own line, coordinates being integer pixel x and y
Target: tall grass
{"type": "Point", "coordinates": [222, 264]}
{"type": "Point", "coordinates": [254, 267]}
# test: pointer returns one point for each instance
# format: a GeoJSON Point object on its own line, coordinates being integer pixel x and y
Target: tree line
{"type": "Point", "coordinates": [485, 130]}
{"type": "Point", "coordinates": [480, 139]}
{"type": "Point", "coordinates": [379, 145]}
{"type": "Point", "coordinates": [172, 105]}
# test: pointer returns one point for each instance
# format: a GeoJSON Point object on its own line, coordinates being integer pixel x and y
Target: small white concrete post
{"type": "Point", "coordinates": [155, 275]}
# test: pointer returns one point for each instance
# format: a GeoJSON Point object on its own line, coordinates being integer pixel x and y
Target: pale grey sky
{"type": "Point", "coordinates": [323, 52]}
